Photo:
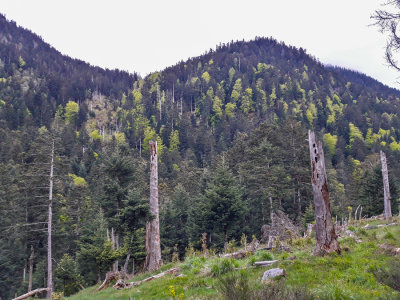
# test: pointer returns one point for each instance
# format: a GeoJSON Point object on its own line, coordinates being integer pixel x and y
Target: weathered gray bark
{"type": "Point", "coordinates": [50, 220]}
{"type": "Point", "coordinates": [31, 293]}
{"type": "Point", "coordinates": [30, 269]}
{"type": "Point", "coordinates": [326, 239]}
{"type": "Point", "coordinates": [386, 191]}
{"type": "Point", "coordinates": [153, 249]}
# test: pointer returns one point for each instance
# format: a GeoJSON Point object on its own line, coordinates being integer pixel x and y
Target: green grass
{"type": "Point", "coordinates": [345, 276]}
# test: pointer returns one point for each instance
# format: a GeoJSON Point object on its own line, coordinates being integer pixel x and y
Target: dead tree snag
{"type": "Point", "coordinates": [386, 191]}
{"type": "Point", "coordinates": [326, 239]}
{"type": "Point", "coordinates": [153, 249]}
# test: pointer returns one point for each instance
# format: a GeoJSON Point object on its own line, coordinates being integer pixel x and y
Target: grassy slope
{"type": "Point", "coordinates": [347, 276]}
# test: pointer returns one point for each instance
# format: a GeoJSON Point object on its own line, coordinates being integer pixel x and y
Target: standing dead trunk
{"type": "Point", "coordinates": [125, 268]}
{"type": "Point", "coordinates": [153, 249]}
{"type": "Point", "coordinates": [50, 220]}
{"type": "Point", "coordinates": [30, 269]}
{"type": "Point", "coordinates": [128, 257]}
{"type": "Point", "coordinates": [386, 191]}
{"type": "Point", "coordinates": [326, 239]}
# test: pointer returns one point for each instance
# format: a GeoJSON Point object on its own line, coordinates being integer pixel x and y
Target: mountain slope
{"type": "Point", "coordinates": [231, 127]}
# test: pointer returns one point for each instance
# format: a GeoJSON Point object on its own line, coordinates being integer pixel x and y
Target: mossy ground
{"type": "Point", "coordinates": [345, 276]}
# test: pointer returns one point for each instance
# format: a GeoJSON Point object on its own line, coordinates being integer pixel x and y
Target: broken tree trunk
{"type": "Point", "coordinates": [264, 263]}
{"type": "Point", "coordinates": [386, 191]}
{"type": "Point", "coordinates": [110, 276]}
{"type": "Point", "coordinates": [326, 239]}
{"type": "Point", "coordinates": [123, 285]}
{"type": "Point", "coordinates": [49, 230]}
{"type": "Point", "coordinates": [153, 260]}
{"type": "Point", "coordinates": [31, 293]}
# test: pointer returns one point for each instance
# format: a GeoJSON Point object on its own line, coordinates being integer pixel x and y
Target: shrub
{"type": "Point", "coordinates": [264, 255]}
{"type": "Point", "coordinates": [222, 266]}
{"type": "Point", "coordinates": [194, 263]}
{"type": "Point", "coordinates": [235, 286]}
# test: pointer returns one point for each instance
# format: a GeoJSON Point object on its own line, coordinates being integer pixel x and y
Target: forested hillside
{"type": "Point", "coordinates": [231, 130]}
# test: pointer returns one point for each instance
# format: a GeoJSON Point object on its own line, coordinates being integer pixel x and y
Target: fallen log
{"type": "Point", "coordinates": [110, 276]}
{"type": "Point", "coordinates": [380, 225]}
{"type": "Point", "coordinates": [122, 285]}
{"type": "Point", "coordinates": [238, 255]}
{"type": "Point", "coordinates": [31, 293]}
{"type": "Point", "coordinates": [390, 249]}
{"type": "Point", "coordinates": [264, 263]}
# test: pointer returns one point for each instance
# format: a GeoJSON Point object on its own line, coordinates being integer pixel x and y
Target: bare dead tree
{"type": "Point", "coordinates": [49, 235]}
{"type": "Point", "coordinates": [388, 21]}
{"type": "Point", "coordinates": [386, 191]}
{"type": "Point", "coordinates": [153, 249]}
{"type": "Point", "coordinates": [326, 239]}
{"type": "Point", "coordinates": [30, 269]}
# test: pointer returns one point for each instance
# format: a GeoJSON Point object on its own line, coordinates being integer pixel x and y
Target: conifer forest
{"type": "Point", "coordinates": [105, 172]}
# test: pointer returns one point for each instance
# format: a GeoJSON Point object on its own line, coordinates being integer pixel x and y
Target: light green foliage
{"type": "Point", "coordinates": [272, 97]}
{"type": "Point", "coordinates": [247, 101]}
{"type": "Point", "coordinates": [261, 95]}
{"type": "Point", "coordinates": [206, 77]}
{"type": "Point", "coordinates": [395, 146]}
{"type": "Point", "coordinates": [355, 133]}
{"type": "Point", "coordinates": [154, 77]}
{"type": "Point", "coordinates": [2, 103]}
{"type": "Point", "coordinates": [78, 181]}
{"type": "Point", "coordinates": [150, 135]}
{"type": "Point", "coordinates": [372, 138]}
{"type": "Point", "coordinates": [261, 67]}
{"type": "Point", "coordinates": [311, 114]}
{"type": "Point", "coordinates": [231, 73]}
{"type": "Point", "coordinates": [222, 266]}
{"type": "Point", "coordinates": [120, 137]}
{"type": "Point", "coordinates": [285, 106]}
{"type": "Point", "coordinates": [334, 108]}
{"type": "Point", "coordinates": [60, 111]}
{"type": "Point", "coordinates": [194, 80]}
{"type": "Point", "coordinates": [305, 76]}
{"type": "Point", "coordinates": [95, 135]}
{"type": "Point", "coordinates": [123, 99]}
{"type": "Point", "coordinates": [210, 93]}
{"type": "Point", "coordinates": [211, 62]}
{"type": "Point", "coordinates": [137, 95]}
{"type": "Point", "coordinates": [330, 142]}
{"type": "Point", "coordinates": [21, 62]}
{"type": "Point", "coordinates": [174, 141]}
{"type": "Point", "coordinates": [237, 90]}
{"type": "Point", "coordinates": [230, 109]}
{"type": "Point", "coordinates": [217, 107]}
{"type": "Point", "coordinates": [71, 111]}
{"type": "Point", "coordinates": [301, 91]}
{"type": "Point", "coordinates": [43, 130]}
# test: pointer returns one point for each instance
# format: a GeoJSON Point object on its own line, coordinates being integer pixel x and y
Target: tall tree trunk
{"type": "Point", "coordinates": [50, 220]}
{"type": "Point", "coordinates": [326, 239]}
{"type": "Point", "coordinates": [386, 191]}
{"type": "Point", "coordinates": [30, 269]}
{"type": "Point", "coordinates": [153, 249]}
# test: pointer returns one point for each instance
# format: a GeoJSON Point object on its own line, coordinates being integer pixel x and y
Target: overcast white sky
{"type": "Point", "coordinates": [149, 35]}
